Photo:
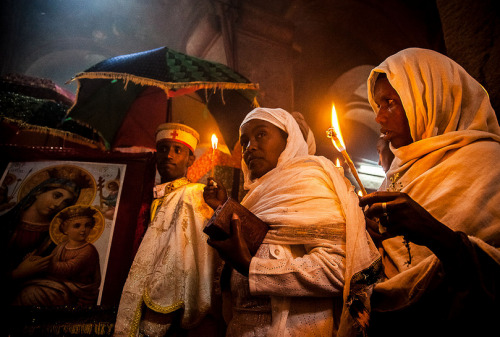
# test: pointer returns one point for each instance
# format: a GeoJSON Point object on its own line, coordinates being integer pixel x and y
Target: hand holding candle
{"type": "Point", "coordinates": [338, 142]}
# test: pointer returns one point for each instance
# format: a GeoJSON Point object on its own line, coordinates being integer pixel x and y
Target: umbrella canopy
{"type": "Point", "coordinates": [136, 91]}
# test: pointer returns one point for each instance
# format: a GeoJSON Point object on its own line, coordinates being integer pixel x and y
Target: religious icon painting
{"type": "Point", "coordinates": [64, 211]}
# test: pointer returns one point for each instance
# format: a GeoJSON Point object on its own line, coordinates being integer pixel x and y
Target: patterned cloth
{"type": "Point", "coordinates": [174, 267]}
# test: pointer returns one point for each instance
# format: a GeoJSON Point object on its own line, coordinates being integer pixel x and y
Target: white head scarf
{"type": "Point", "coordinates": [282, 119]}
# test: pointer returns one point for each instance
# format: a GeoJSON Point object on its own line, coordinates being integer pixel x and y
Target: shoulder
{"type": "Point", "coordinates": [194, 188]}
{"type": "Point", "coordinates": [312, 166]}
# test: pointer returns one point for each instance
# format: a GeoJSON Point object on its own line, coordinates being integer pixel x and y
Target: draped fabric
{"type": "Point", "coordinates": [73, 278]}
{"type": "Point", "coordinates": [451, 168]}
{"type": "Point", "coordinates": [174, 267]}
{"type": "Point", "coordinates": [307, 202]}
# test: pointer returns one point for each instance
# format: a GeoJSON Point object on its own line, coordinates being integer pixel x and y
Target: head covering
{"type": "Point", "coordinates": [438, 95]}
{"type": "Point", "coordinates": [282, 119]}
{"type": "Point", "coordinates": [178, 133]}
{"type": "Point", "coordinates": [451, 169]}
{"type": "Point", "coordinates": [306, 132]}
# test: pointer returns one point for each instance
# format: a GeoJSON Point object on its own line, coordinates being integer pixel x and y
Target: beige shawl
{"type": "Point", "coordinates": [302, 213]}
{"type": "Point", "coordinates": [452, 168]}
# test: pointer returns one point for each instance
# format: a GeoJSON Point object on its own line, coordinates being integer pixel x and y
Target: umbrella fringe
{"type": "Point", "coordinates": [65, 135]}
{"type": "Point", "coordinates": [166, 85]}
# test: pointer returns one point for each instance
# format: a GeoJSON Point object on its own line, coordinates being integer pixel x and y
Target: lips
{"type": "Point", "coordinates": [385, 132]}
{"type": "Point", "coordinates": [251, 159]}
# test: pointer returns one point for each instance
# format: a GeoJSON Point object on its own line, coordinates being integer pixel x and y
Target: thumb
{"type": "Point", "coordinates": [235, 225]}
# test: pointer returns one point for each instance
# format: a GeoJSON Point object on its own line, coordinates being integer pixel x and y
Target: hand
{"type": "Point", "coordinates": [372, 227]}
{"type": "Point", "coordinates": [234, 250]}
{"type": "Point", "coordinates": [406, 217]}
{"type": "Point", "coordinates": [214, 193]}
{"type": "Point", "coordinates": [31, 265]}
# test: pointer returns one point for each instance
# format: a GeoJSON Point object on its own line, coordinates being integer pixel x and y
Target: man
{"type": "Point", "coordinates": [170, 287]}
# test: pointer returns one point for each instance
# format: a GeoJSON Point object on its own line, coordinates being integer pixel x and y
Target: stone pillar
{"type": "Point", "coordinates": [472, 36]}
{"type": "Point", "coordinates": [254, 42]}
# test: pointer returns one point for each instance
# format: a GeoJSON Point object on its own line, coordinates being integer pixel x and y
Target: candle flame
{"type": "Point", "coordinates": [215, 140]}
{"type": "Point", "coordinates": [337, 163]}
{"type": "Point", "coordinates": [336, 128]}
{"type": "Point", "coordinates": [360, 193]}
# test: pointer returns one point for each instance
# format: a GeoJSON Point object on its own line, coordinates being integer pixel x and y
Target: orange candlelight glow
{"type": "Point", "coordinates": [337, 163]}
{"type": "Point", "coordinates": [336, 136]}
{"type": "Point", "coordinates": [215, 141]}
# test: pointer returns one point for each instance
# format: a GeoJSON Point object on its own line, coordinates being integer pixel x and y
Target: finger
{"type": "Point", "coordinates": [213, 243]}
{"type": "Point", "coordinates": [235, 225]}
{"type": "Point", "coordinates": [378, 196]}
{"type": "Point", "coordinates": [379, 209]}
{"type": "Point", "coordinates": [47, 258]}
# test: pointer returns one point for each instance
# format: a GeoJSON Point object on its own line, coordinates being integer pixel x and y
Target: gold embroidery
{"type": "Point", "coordinates": [397, 186]}
{"type": "Point", "coordinates": [158, 308]}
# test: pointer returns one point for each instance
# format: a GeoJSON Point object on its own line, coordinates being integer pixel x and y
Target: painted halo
{"type": "Point", "coordinates": [87, 194]}
{"type": "Point", "coordinates": [58, 237]}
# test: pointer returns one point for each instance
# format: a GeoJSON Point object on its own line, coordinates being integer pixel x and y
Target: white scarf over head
{"type": "Point", "coordinates": [452, 167]}
{"type": "Point", "coordinates": [293, 199]}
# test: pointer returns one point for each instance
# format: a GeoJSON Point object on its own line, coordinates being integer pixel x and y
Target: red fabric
{"type": "Point", "coordinates": [139, 126]}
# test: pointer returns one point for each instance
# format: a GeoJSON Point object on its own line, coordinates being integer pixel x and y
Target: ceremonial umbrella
{"type": "Point", "coordinates": [125, 97]}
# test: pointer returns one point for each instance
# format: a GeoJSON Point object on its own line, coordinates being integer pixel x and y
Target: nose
{"type": "Point", "coordinates": [57, 203]}
{"type": "Point", "coordinates": [252, 145]}
{"type": "Point", "coordinates": [381, 116]}
{"type": "Point", "coordinates": [171, 152]}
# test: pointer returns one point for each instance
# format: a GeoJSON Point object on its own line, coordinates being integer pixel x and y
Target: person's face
{"type": "Point", "coordinates": [173, 160]}
{"type": "Point", "coordinates": [385, 155]}
{"type": "Point", "coordinates": [51, 202]}
{"type": "Point", "coordinates": [391, 115]}
{"type": "Point", "coordinates": [78, 228]}
{"type": "Point", "coordinates": [262, 144]}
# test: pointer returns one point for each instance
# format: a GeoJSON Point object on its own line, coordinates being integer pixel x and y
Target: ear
{"type": "Point", "coordinates": [191, 160]}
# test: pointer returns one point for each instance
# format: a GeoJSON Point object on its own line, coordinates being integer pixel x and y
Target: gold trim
{"type": "Point", "coordinates": [158, 308]}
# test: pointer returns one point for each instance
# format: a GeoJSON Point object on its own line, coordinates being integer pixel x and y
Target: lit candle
{"type": "Point", "coordinates": [215, 140]}
{"type": "Point", "coordinates": [337, 163]}
{"type": "Point", "coordinates": [338, 142]}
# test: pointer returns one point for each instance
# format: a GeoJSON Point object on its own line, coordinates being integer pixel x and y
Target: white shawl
{"type": "Point", "coordinates": [302, 213]}
{"type": "Point", "coordinates": [452, 167]}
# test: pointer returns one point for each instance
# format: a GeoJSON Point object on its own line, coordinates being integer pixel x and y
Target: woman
{"type": "Point", "coordinates": [443, 197]}
{"type": "Point", "coordinates": [26, 239]}
{"type": "Point", "coordinates": [293, 285]}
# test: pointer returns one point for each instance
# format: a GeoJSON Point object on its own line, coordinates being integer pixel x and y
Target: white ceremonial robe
{"type": "Point", "coordinates": [174, 267]}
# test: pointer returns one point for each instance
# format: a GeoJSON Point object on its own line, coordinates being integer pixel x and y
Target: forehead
{"type": "Point", "coordinates": [79, 219]}
{"type": "Point", "coordinates": [61, 190]}
{"type": "Point", "coordinates": [383, 87]}
{"type": "Point", "coordinates": [255, 124]}
{"type": "Point", "coordinates": [170, 143]}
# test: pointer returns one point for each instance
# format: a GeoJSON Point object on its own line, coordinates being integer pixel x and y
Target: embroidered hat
{"type": "Point", "coordinates": [179, 133]}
